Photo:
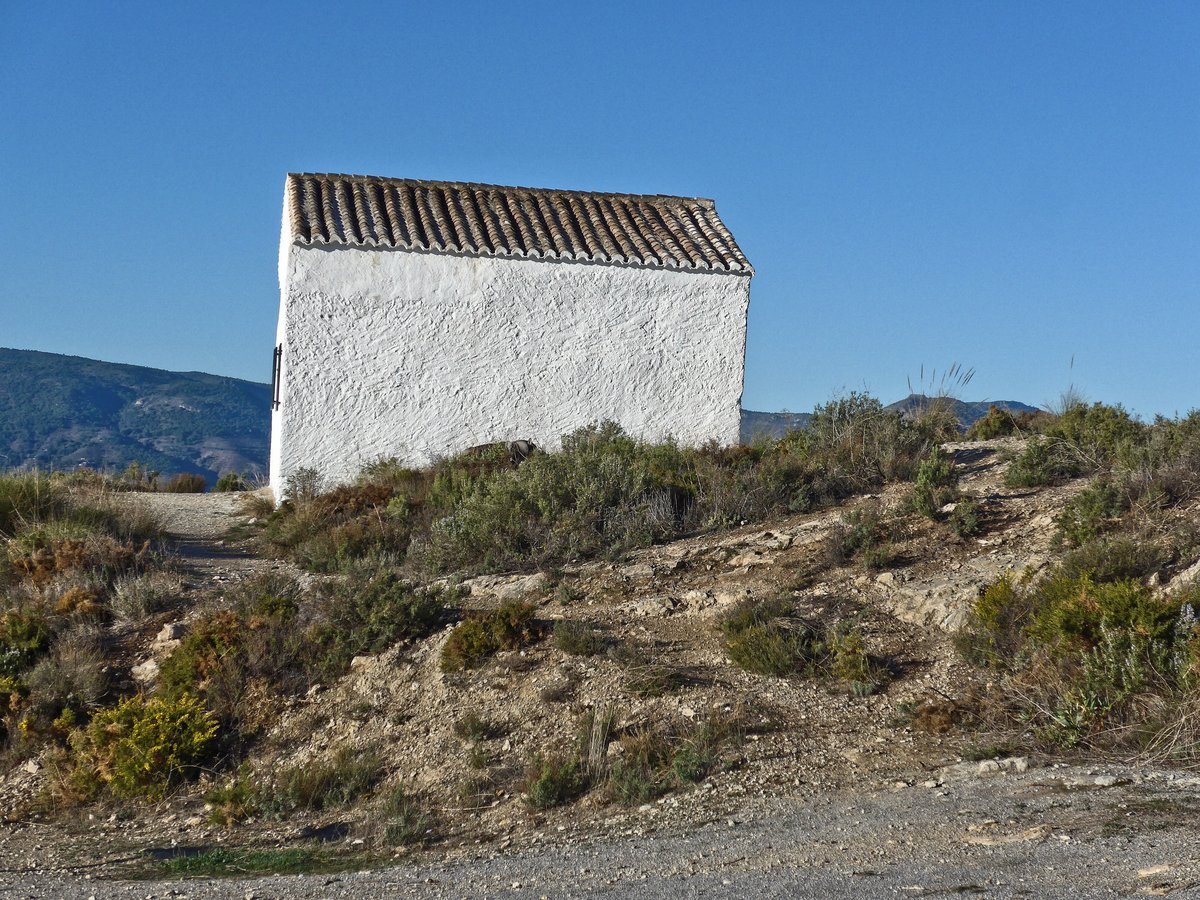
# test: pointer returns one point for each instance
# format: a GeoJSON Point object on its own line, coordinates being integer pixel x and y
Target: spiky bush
{"type": "Point", "coordinates": [143, 747]}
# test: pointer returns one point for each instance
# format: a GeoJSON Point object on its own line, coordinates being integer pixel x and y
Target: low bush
{"type": "Point", "coordinates": [186, 483]}
{"type": "Point", "coordinates": [850, 663]}
{"type": "Point", "coordinates": [862, 533]}
{"type": "Point", "coordinates": [230, 482]}
{"type": "Point", "coordinates": [1082, 440]}
{"type": "Point", "coordinates": [142, 747]}
{"type": "Point", "coordinates": [472, 642]}
{"type": "Point", "coordinates": [1089, 513]}
{"type": "Point", "coordinates": [1083, 660]}
{"type": "Point", "coordinates": [764, 638]}
{"type": "Point", "coordinates": [936, 483]}
{"type": "Point", "coordinates": [966, 519]}
{"type": "Point", "coordinates": [1000, 422]}
{"type": "Point", "coordinates": [554, 780]}
{"type": "Point", "coordinates": [1116, 557]}
{"type": "Point", "coordinates": [603, 494]}
{"type": "Point", "coordinates": [655, 761]}
{"type": "Point", "coordinates": [277, 639]}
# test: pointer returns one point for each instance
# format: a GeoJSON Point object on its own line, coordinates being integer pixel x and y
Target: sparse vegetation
{"type": "Point", "coordinates": [579, 638]}
{"type": "Point", "coordinates": [603, 494]}
{"type": "Point", "coordinates": [229, 482]}
{"type": "Point", "coordinates": [345, 776]}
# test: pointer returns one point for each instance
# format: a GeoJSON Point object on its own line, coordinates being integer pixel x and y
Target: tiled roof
{"type": "Point", "coordinates": [487, 220]}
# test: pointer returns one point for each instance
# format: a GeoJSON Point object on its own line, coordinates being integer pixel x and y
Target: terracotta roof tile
{"type": "Point", "coordinates": [489, 220]}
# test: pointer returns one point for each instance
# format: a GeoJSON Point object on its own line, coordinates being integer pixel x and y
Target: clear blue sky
{"type": "Point", "coordinates": [1006, 185]}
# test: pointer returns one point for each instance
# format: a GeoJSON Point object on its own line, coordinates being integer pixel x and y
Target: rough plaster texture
{"type": "Point", "coordinates": [408, 354]}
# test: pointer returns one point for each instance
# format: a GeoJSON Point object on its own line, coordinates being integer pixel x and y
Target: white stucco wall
{"type": "Point", "coordinates": [398, 353]}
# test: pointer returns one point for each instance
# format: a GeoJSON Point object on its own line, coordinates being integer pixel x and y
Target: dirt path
{"type": "Point", "coordinates": [199, 528]}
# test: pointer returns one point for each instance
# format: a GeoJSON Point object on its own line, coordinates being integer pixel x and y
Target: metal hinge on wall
{"type": "Point", "coordinates": [276, 375]}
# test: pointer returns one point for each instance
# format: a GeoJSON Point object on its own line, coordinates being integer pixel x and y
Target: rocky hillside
{"type": "Point", "coordinates": [992, 612]}
{"type": "Point", "coordinates": [68, 412]}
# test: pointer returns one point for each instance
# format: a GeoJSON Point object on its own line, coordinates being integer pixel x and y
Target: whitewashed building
{"type": "Point", "coordinates": [420, 318]}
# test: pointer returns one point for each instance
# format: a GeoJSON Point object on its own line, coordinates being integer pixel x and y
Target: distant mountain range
{"type": "Point", "coordinates": [67, 412]}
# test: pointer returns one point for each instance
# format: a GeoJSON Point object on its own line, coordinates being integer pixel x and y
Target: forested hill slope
{"type": "Point", "coordinates": [64, 412]}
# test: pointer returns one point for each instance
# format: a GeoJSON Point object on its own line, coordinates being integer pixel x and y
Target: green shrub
{"type": "Point", "coordinates": [405, 819]}
{"type": "Point", "coordinates": [762, 638]}
{"type": "Point", "coordinates": [850, 663]}
{"type": "Point", "coordinates": [643, 772]}
{"type": "Point", "coordinates": [366, 616]}
{"type": "Point", "coordinates": [232, 802]}
{"type": "Point", "coordinates": [143, 746]}
{"type": "Point", "coordinates": [1115, 558]}
{"type": "Point", "coordinates": [995, 629]}
{"type": "Point", "coordinates": [186, 483]}
{"type": "Point", "coordinates": [603, 494]}
{"type": "Point", "coordinates": [554, 780]}
{"type": "Point", "coordinates": [1039, 464]}
{"type": "Point", "coordinates": [1089, 513]}
{"type": "Point", "coordinates": [936, 483]}
{"type": "Point", "coordinates": [473, 641]}
{"type": "Point", "coordinates": [997, 423]}
{"type": "Point", "coordinates": [1083, 659]}
{"type": "Point", "coordinates": [578, 638]}
{"type": "Point", "coordinates": [1071, 612]}
{"type": "Point", "coordinates": [655, 761]}
{"type": "Point", "coordinates": [1083, 439]}
{"type": "Point", "coordinates": [862, 532]}
{"type": "Point", "coordinates": [24, 636]}
{"type": "Point", "coordinates": [966, 519]}
{"type": "Point", "coordinates": [229, 482]}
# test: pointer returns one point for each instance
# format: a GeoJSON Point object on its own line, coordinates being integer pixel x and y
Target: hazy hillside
{"type": "Point", "coordinates": [64, 412]}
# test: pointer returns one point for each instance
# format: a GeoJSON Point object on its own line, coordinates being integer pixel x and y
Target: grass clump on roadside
{"type": "Point", "coordinates": [554, 780]}
{"type": "Point", "coordinates": [314, 785]}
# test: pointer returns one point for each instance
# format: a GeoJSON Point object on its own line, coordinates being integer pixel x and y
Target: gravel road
{"type": "Point", "coordinates": [1061, 832]}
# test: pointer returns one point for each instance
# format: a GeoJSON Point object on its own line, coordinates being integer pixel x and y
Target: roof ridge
{"type": "Point", "coordinates": [483, 185]}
